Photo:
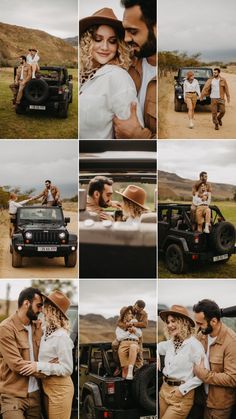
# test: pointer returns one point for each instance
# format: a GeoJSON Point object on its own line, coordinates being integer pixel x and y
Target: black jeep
{"type": "Point", "coordinates": [50, 91]}
{"type": "Point", "coordinates": [41, 231]}
{"type": "Point", "coordinates": [104, 396]}
{"type": "Point", "coordinates": [182, 246]}
{"type": "Point", "coordinates": [202, 74]}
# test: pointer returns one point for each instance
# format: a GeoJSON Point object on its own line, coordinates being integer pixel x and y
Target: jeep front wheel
{"type": "Point", "coordinates": [70, 260]}
{"type": "Point", "coordinates": [88, 409]}
{"type": "Point", "coordinates": [175, 259]}
{"type": "Point", "coordinates": [16, 259]}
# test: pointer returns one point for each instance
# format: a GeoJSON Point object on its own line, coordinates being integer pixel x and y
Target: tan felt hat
{"type": "Point", "coordinates": [178, 311]}
{"type": "Point", "coordinates": [135, 194]}
{"type": "Point", "coordinates": [59, 300]}
{"type": "Point", "coordinates": [104, 16]}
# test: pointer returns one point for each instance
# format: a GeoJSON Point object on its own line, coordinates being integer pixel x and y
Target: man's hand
{"type": "Point", "coordinates": [29, 369]}
{"type": "Point", "coordinates": [177, 393]}
{"type": "Point", "coordinates": [125, 128]}
{"type": "Point", "coordinates": [200, 370]}
{"type": "Point", "coordinates": [104, 216]}
{"type": "Point", "coordinates": [116, 204]}
{"type": "Point", "coordinates": [54, 361]}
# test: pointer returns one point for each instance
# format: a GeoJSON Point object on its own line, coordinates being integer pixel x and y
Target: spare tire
{"type": "Point", "coordinates": [144, 387]}
{"type": "Point", "coordinates": [222, 237]}
{"type": "Point", "coordinates": [36, 91]}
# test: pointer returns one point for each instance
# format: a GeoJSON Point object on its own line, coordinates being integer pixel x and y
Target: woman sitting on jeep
{"type": "Point", "coordinates": [202, 200]}
{"type": "Point", "coordinates": [33, 59]}
{"type": "Point", "coordinates": [133, 206]}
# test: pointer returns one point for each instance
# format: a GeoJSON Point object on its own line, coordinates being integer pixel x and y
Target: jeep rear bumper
{"type": "Point", "coordinates": [45, 250]}
{"type": "Point", "coordinates": [208, 256]}
{"type": "Point", "coordinates": [102, 413]}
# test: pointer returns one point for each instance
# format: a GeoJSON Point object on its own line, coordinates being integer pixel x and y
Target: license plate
{"type": "Point", "coordinates": [221, 257]}
{"type": "Point", "coordinates": [38, 107]}
{"type": "Point", "coordinates": [47, 249]}
{"type": "Point", "coordinates": [148, 417]}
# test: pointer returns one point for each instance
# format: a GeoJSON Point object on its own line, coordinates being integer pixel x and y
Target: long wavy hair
{"type": "Point", "coordinates": [186, 329]}
{"type": "Point", "coordinates": [87, 64]}
{"type": "Point", "coordinates": [131, 209]}
{"type": "Point", "coordinates": [54, 319]}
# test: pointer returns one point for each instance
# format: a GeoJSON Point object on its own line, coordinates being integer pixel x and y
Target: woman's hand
{"type": "Point", "coordinates": [29, 369]}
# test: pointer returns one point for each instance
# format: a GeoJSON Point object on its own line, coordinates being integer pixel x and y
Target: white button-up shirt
{"type": "Point", "coordinates": [122, 334]}
{"type": "Point", "coordinates": [192, 87]}
{"type": "Point", "coordinates": [13, 205]}
{"type": "Point", "coordinates": [57, 345]}
{"type": "Point", "coordinates": [179, 365]}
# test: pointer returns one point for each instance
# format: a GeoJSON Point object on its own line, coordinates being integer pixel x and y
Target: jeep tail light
{"type": "Point", "coordinates": [196, 238]}
{"type": "Point", "coordinates": [110, 387]}
{"type": "Point", "coordinates": [194, 257]}
{"type": "Point", "coordinates": [60, 91]}
{"type": "Point", "coordinates": [107, 415]}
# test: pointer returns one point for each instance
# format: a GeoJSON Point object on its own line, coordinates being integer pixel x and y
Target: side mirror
{"type": "Point", "coordinates": [67, 220]}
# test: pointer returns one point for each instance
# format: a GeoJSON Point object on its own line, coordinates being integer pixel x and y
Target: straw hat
{"type": "Point", "coordinates": [135, 194]}
{"type": "Point", "coordinates": [104, 16]}
{"type": "Point", "coordinates": [59, 300]}
{"type": "Point", "coordinates": [177, 311]}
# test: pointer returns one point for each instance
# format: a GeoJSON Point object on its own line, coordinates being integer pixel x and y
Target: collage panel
{"type": "Point", "coordinates": [117, 195]}
{"type": "Point", "coordinates": [118, 69]}
{"type": "Point", "coordinates": [39, 209]}
{"type": "Point", "coordinates": [39, 70]}
{"type": "Point", "coordinates": [39, 348]}
{"type": "Point", "coordinates": [117, 363]}
{"type": "Point", "coordinates": [196, 209]}
{"type": "Point", "coordinates": [197, 349]}
{"type": "Point", "coordinates": [197, 73]}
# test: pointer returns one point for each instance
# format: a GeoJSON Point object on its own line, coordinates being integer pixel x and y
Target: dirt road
{"type": "Point", "coordinates": [176, 123]}
{"type": "Point", "coordinates": [36, 267]}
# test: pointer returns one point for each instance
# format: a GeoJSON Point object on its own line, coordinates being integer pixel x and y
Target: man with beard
{"type": "Point", "coordinates": [99, 197]}
{"type": "Point", "coordinates": [217, 88]}
{"type": "Point", "coordinates": [20, 336]}
{"type": "Point", "coordinates": [219, 342]}
{"type": "Point", "coordinates": [50, 195]}
{"type": "Point", "coordinates": [203, 177]}
{"type": "Point", "coordinates": [23, 75]}
{"type": "Point", "coordinates": [139, 22]}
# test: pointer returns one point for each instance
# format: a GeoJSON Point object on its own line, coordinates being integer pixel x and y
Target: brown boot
{"type": "Point", "coordinates": [217, 126]}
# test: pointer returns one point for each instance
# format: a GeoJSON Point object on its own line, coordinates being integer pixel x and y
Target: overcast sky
{"type": "Point", "coordinates": [188, 292]}
{"type": "Point", "coordinates": [57, 17]}
{"type": "Point", "coordinates": [107, 297]}
{"type": "Point", "coordinates": [87, 8]}
{"type": "Point", "coordinates": [197, 26]}
{"type": "Point", "coordinates": [188, 158]}
{"type": "Point", "coordinates": [29, 163]}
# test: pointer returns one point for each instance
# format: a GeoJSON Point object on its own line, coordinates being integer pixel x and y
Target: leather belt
{"type": "Point", "coordinates": [173, 383]}
{"type": "Point", "coordinates": [135, 340]}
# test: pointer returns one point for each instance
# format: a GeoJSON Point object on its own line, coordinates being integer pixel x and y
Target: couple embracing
{"type": "Point", "coordinates": [118, 73]}
{"type": "Point", "coordinates": [36, 362]}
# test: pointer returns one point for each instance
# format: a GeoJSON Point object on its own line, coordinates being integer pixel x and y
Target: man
{"type": "Point", "coordinates": [99, 197]}
{"type": "Point", "coordinates": [142, 322]}
{"type": "Point", "coordinates": [19, 342]}
{"type": "Point", "coordinates": [203, 177]}
{"type": "Point", "coordinates": [219, 342]}
{"type": "Point", "coordinates": [217, 88]}
{"type": "Point", "coordinates": [139, 22]}
{"type": "Point", "coordinates": [23, 75]}
{"type": "Point", "coordinates": [51, 195]}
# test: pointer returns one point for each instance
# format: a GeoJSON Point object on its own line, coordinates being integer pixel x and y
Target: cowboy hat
{"type": "Point", "coordinates": [177, 311]}
{"type": "Point", "coordinates": [135, 194]}
{"type": "Point", "coordinates": [104, 16]}
{"type": "Point", "coordinates": [59, 300]}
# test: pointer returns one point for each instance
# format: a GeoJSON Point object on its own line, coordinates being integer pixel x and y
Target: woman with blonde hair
{"type": "Point", "coordinates": [191, 93]}
{"type": "Point", "coordinates": [55, 359]}
{"type": "Point", "coordinates": [181, 351]}
{"type": "Point", "coordinates": [133, 204]}
{"type": "Point", "coordinates": [13, 205]}
{"type": "Point", "coordinates": [106, 88]}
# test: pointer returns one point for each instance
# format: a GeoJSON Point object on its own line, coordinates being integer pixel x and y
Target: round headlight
{"type": "Point", "coordinates": [28, 235]}
{"type": "Point", "coordinates": [62, 235]}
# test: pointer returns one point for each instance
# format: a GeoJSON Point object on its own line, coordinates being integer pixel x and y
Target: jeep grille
{"type": "Point", "coordinates": [45, 237]}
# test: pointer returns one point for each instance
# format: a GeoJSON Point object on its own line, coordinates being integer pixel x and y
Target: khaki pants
{"type": "Point", "coordinates": [174, 407]}
{"type": "Point", "coordinates": [217, 110]}
{"type": "Point", "coordinates": [124, 351]}
{"type": "Point", "coordinates": [21, 407]}
{"type": "Point", "coordinates": [17, 90]}
{"type": "Point", "coordinates": [210, 413]}
{"type": "Point", "coordinates": [139, 359]}
{"type": "Point", "coordinates": [59, 393]}
{"type": "Point", "coordinates": [191, 100]}
{"type": "Point", "coordinates": [203, 213]}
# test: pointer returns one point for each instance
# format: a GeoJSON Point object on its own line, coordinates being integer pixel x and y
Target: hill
{"type": "Point", "coordinates": [72, 41]}
{"type": "Point", "coordinates": [16, 40]}
{"type": "Point", "coordinates": [171, 186]}
{"type": "Point", "coordinates": [96, 328]}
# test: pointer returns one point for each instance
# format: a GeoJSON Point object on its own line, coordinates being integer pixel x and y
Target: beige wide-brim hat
{"type": "Point", "coordinates": [177, 311]}
{"type": "Point", "coordinates": [59, 300]}
{"type": "Point", "coordinates": [104, 16]}
{"type": "Point", "coordinates": [135, 194]}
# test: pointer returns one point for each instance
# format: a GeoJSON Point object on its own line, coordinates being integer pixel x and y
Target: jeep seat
{"type": "Point", "coordinates": [146, 355]}
{"type": "Point", "coordinates": [96, 362]}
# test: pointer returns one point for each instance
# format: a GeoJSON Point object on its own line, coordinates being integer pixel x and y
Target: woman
{"type": "Point", "coordinates": [33, 59]}
{"type": "Point", "coordinates": [13, 205]}
{"type": "Point", "coordinates": [128, 342]}
{"type": "Point", "coordinates": [181, 351]}
{"type": "Point", "coordinates": [106, 88]}
{"type": "Point", "coordinates": [55, 358]}
{"type": "Point", "coordinates": [201, 201]}
{"type": "Point", "coordinates": [191, 93]}
{"type": "Point", "coordinates": [133, 203]}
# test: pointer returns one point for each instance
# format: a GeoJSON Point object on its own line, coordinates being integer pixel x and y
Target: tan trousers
{"type": "Point", "coordinates": [17, 90]}
{"type": "Point", "coordinates": [203, 213]}
{"type": "Point", "coordinates": [217, 413]}
{"type": "Point", "coordinates": [217, 110]}
{"type": "Point", "coordinates": [139, 359]}
{"type": "Point", "coordinates": [124, 351]}
{"type": "Point", "coordinates": [21, 407]}
{"type": "Point", "coordinates": [174, 407]}
{"type": "Point", "coordinates": [191, 100]}
{"type": "Point", "coordinates": [59, 393]}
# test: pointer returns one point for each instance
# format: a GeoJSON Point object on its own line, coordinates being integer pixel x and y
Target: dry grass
{"type": "Point", "coordinates": [165, 88]}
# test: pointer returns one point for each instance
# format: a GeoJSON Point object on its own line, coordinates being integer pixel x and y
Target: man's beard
{"type": "Point", "coordinates": [207, 330]}
{"type": "Point", "coordinates": [30, 314]}
{"type": "Point", "coordinates": [102, 203]}
{"type": "Point", "coordinates": [149, 48]}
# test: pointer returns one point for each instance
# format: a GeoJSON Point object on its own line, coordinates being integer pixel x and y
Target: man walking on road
{"type": "Point", "coordinates": [217, 88]}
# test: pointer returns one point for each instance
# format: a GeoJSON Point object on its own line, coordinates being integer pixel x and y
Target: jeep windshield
{"type": "Point", "coordinates": [201, 73]}
{"type": "Point", "coordinates": [40, 215]}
